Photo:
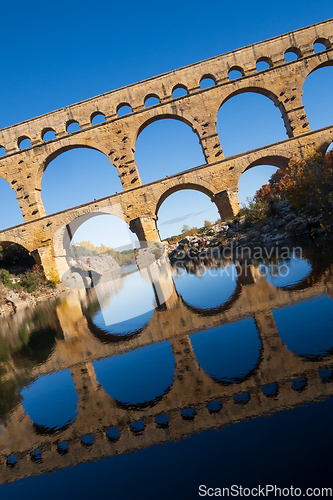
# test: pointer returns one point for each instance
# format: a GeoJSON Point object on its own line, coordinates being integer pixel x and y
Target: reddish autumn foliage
{"type": "Point", "coordinates": [272, 190]}
{"type": "Point", "coordinates": [306, 180]}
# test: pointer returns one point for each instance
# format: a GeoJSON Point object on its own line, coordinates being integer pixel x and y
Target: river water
{"type": "Point", "coordinates": [164, 382]}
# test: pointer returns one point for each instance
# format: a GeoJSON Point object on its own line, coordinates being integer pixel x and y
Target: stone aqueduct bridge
{"type": "Point", "coordinates": [116, 137]}
{"type": "Point", "coordinates": [191, 388]}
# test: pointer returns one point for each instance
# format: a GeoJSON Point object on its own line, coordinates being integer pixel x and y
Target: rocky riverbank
{"type": "Point", "coordinates": [14, 297]}
{"type": "Point", "coordinates": [284, 223]}
{"type": "Point", "coordinates": [11, 301]}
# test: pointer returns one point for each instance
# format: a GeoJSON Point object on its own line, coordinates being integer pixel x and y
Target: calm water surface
{"type": "Point", "coordinates": [217, 373]}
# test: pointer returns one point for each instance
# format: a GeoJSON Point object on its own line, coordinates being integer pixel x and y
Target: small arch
{"type": "Point", "coordinates": [264, 63]}
{"type": "Point", "coordinates": [321, 44]}
{"type": "Point", "coordinates": [124, 109]}
{"type": "Point", "coordinates": [97, 117]}
{"type": "Point", "coordinates": [292, 54]}
{"type": "Point", "coordinates": [235, 72]}
{"type": "Point", "coordinates": [72, 126]}
{"type": "Point", "coordinates": [2, 151]}
{"type": "Point", "coordinates": [151, 100]}
{"type": "Point", "coordinates": [48, 134]}
{"type": "Point", "coordinates": [179, 90]}
{"type": "Point", "coordinates": [24, 142]}
{"type": "Point", "coordinates": [207, 81]}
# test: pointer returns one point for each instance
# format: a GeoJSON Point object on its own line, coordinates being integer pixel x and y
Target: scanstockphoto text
{"type": "Point", "coordinates": [268, 490]}
{"type": "Point", "coordinates": [269, 260]}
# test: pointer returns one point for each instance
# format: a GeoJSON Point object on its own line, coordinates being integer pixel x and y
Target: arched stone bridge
{"type": "Point", "coordinates": [116, 137]}
{"type": "Point", "coordinates": [192, 387]}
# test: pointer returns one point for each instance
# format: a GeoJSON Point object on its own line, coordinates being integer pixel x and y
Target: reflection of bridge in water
{"type": "Point", "coordinates": [192, 388]}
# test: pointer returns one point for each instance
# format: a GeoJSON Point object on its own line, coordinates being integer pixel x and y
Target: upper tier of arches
{"type": "Point", "coordinates": [313, 43]}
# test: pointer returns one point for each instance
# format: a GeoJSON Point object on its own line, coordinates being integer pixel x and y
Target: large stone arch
{"type": "Point", "coordinates": [204, 188]}
{"type": "Point", "coordinates": [244, 87]}
{"type": "Point", "coordinates": [315, 63]}
{"type": "Point", "coordinates": [67, 145]}
{"type": "Point", "coordinates": [173, 112]}
{"type": "Point", "coordinates": [157, 115]}
{"type": "Point", "coordinates": [277, 161]}
{"type": "Point", "coordinates": [27, 245]}
{"type": "Point", "coordinates": [313, 94]}
{"type": "Point", "coordinates": [70, 224]}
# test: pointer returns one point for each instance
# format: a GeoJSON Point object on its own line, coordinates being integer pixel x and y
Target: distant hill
{"type": "Point", "coordinates": [86, 249]}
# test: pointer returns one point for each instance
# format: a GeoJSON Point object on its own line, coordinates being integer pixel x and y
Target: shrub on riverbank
{"type": "Point", "coordinates": [307, 184]}
{"type": "Point", "coordinates": [31, 281]}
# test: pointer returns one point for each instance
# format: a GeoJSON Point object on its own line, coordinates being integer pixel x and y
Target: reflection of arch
{"type": "Point", "coordinates": [105, 336]}
{"type": "Point", "coordinates": [314, 276]}
{"type": "Point", "coordinates": [233, 326]}
{"type": "Point", "coordinates": [308, 315]}
{"type": "Point", "coordinates": [109, 338]}
{"type": "Point", "coordinates": [50, 391]}
{"type": "Point", "coordinates": [216, 310]}
{"type": "Point", "coordinates": [205, 188]}
{"type": "Point", "coordinates": [39, 348]}
{"type": "Point", "coordinates": [140, 378]}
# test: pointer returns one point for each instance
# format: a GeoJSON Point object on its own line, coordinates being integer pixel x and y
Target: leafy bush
{"type": "Point", "coordinates": [5, 277]}
{"type": "Point", "coordinates": [53, 279]}
{"type": "Point", "coordinates": [255, 211]}
{"type": "Point", "coordinates": [30, 282]}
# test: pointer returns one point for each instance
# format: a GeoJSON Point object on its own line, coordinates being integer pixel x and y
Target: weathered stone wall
{"type": "Point", "coordinates": [116, 137]}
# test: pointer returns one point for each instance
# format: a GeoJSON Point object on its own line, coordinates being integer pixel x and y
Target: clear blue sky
{"type": "Point", "coordinates": [55, 54]}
